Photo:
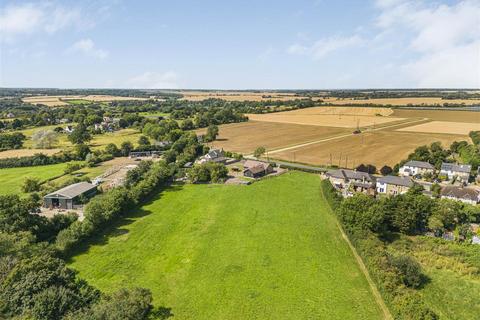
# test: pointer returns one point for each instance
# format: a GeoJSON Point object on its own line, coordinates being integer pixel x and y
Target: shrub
{"type": "Point", "coordinates": [409, 269]}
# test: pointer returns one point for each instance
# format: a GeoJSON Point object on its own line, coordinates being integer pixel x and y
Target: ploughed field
{"type": "Point", "coordinates": [271, 250]}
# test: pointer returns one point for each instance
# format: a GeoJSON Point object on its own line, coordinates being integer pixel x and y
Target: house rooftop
{"type": "Point", "coordinates": [256, 169]}
{"type": "Point", "coordinates": [252, 163]}
{"type": "Point", "coordinates": [72, 191]}
{"type": "Point", "coordinates": [398, 181]}
{"type": "Point", "coordinates": [419, 164]}
{"type": "Point", "coordinates": [350, 174]}
{"type": "Point", "coordinates": [460, 193]}
{"type": "Point", "coordinates": [464, 168]}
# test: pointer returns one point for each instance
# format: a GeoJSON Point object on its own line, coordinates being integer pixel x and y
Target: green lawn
{"type": "Point", "coordinates": [12, 179]}
{"type": "Point", "coordinates": [270, 250]}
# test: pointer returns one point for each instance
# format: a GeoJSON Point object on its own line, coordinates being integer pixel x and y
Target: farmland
{"type": "Point", "coordinates": [462, 128]}
{"type": "Point", "coordinates": [427, 101]}
{"type": "Point", "coordinates": [238, 95]}
{"type": "Point", "coordinates": [245, 137]}
{"type": "Point", "coordinates": [26, 152]}
{"type": "Point", "coordinates": [439, 115]}
{"type": "Point", "coordinates": [56, 101]}
{"type": "Point", "coordinates": [12, 178]}
{"type": "Point", "coordinates": [342, 121]}
{"type": "Point", "coordinates": [271, 250]}
{"type": "Point", "coordinates": [323, 135]}
{"type": "Point", "coordinates": [377, 148]}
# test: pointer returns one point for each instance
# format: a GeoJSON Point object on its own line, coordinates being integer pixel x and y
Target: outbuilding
{"type": "Point", "coordinates": [69, 197]}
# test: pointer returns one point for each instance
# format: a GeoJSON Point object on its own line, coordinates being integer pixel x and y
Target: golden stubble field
{"type": "Point", "coordinates": [378, 148]}
{"type": "Point", "coordinates": [245, 137]}
{"type": "Point", "coordinates": [238, 95]}
{"type": "Point", "coordinates": [331, 134]}
{"type": "Point", "coordinates": [330, 116]}
{"type": "Point", "coordinates": [56, 101]}
{"type": "Point", "coordinates": [427, 101]}
{"type": "Point", "coordinates": [26, 152]}
{"type": "Point", "coordinates": [444, 127]}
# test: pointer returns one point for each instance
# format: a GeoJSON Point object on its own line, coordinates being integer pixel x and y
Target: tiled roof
{"type": "Point", "coordinates": [398, 181]}
{"type": "Point", "coordinates": [350, 174]}
{"type": "Point", "coordinates": [461, 193]}
{"type": "Point", "coordinates": [464, 168]}
{"type": "Point", "coordinates": [419, 164]}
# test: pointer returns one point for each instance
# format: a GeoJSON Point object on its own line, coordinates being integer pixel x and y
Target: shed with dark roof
{"type": "Point", "coordinates": [68, 197]}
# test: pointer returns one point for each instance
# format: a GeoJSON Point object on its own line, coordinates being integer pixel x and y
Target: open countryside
{"type": "Point", "coordinates": [235, 252]}
{"type": "Point", "coordinates": [240, 160]}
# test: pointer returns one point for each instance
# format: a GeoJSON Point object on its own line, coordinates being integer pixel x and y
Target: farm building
{"type": "Point", "coordinates": [459, 171]}
{"type": "Point", "coordinates": [69, 197]}
{"type": "Point", "coordinates": [392, 185]}
{"type": "Point", "coordinates": [256, 169]}
{"type": "Point", "coordinates": [413, 168]}
{"type": "Point", "coordinates": [350, 181]}
{"type": "Point", "coordinates": [465, 195]}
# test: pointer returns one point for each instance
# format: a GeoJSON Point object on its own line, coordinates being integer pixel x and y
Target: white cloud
{"type": "Point", "coordinates": [87, 47]}
{"type": "Point", "coordinates": [321, 48]}
{"type": "Point", "coordinates": [30, 18]}
{"type": "Point", "coordinates": [155, 80]}
{"type": "Point", "coordinates": [444, 38]}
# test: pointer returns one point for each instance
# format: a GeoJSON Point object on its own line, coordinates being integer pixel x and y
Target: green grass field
{"type": "Point", "coordinates": [98, 140]}
{"type": "Point", "coordinates": [12, 178]}
{"type": "Point", "coordinates": [270, 250]}
{"type": "Point", "coordinates": [117, 137]}
{"type": "Point", "coordinates": [453, 288]}
{"type": "Point", "coordinates": [78, 101]}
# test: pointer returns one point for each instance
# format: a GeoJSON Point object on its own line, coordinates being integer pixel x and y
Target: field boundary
{"type": "Point", "coordinates": [376, 293]}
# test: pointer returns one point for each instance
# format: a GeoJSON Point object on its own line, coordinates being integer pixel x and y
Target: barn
{"type": "Point", "coordinates": [70, 196]}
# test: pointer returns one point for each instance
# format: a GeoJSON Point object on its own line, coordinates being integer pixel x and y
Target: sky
{"type": "Point", "coordinates": [245, 44]}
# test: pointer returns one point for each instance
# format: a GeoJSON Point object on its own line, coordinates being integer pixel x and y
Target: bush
{"type": "Point", "coordinates": [410, 270]}
{"type": "Point", "coordinates": [31, 185]}
{"type": "Point", "coordinates": [208, 172]}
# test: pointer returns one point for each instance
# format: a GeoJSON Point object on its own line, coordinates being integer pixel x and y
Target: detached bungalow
{"type": "Point", "coordinates": [214, 155]}
{"type": "Point", "coordinates": [452, 170]}
{"type": "Point", "coordinates": [350, 181]}
{"type": "Point", "coordinates": [256, 169]}
{"type": "Point", "coordinates": [465, 195]}
{"type": "Point", "coordinates": [68, 197]}
{"type": "Point", "coordinates": [392, 185]}
{"type": "Point", "coordinates": [413, 168]}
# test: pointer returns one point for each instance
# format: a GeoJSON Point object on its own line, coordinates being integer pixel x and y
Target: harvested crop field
{"type": "Point", "coordinates": [26, 152]}
{"type": "Point", "coordinates": [238, 96]}
{"type": "Point", "coordinates": [352, 111]}
{"type": "Point", "coordinates": [341, 121]}
{"type": "Point", "coordinates": [427, 101]}
{"type": "Point", "coordinates": [378, 148]}
{"type": "Point", "coordinates": [55, 101]}
{"type": "Point", "coordinates": [461, 128]}
{"type": "Point", "coordinates": [245, 137]}
{"type": "Point", "coordinates": [439, 115]}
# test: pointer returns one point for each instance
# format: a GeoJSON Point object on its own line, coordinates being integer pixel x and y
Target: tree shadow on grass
{"type": "Point", "coordinates": [116, 228]}
{"type": "Point", "coordinates": [161, 313]}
